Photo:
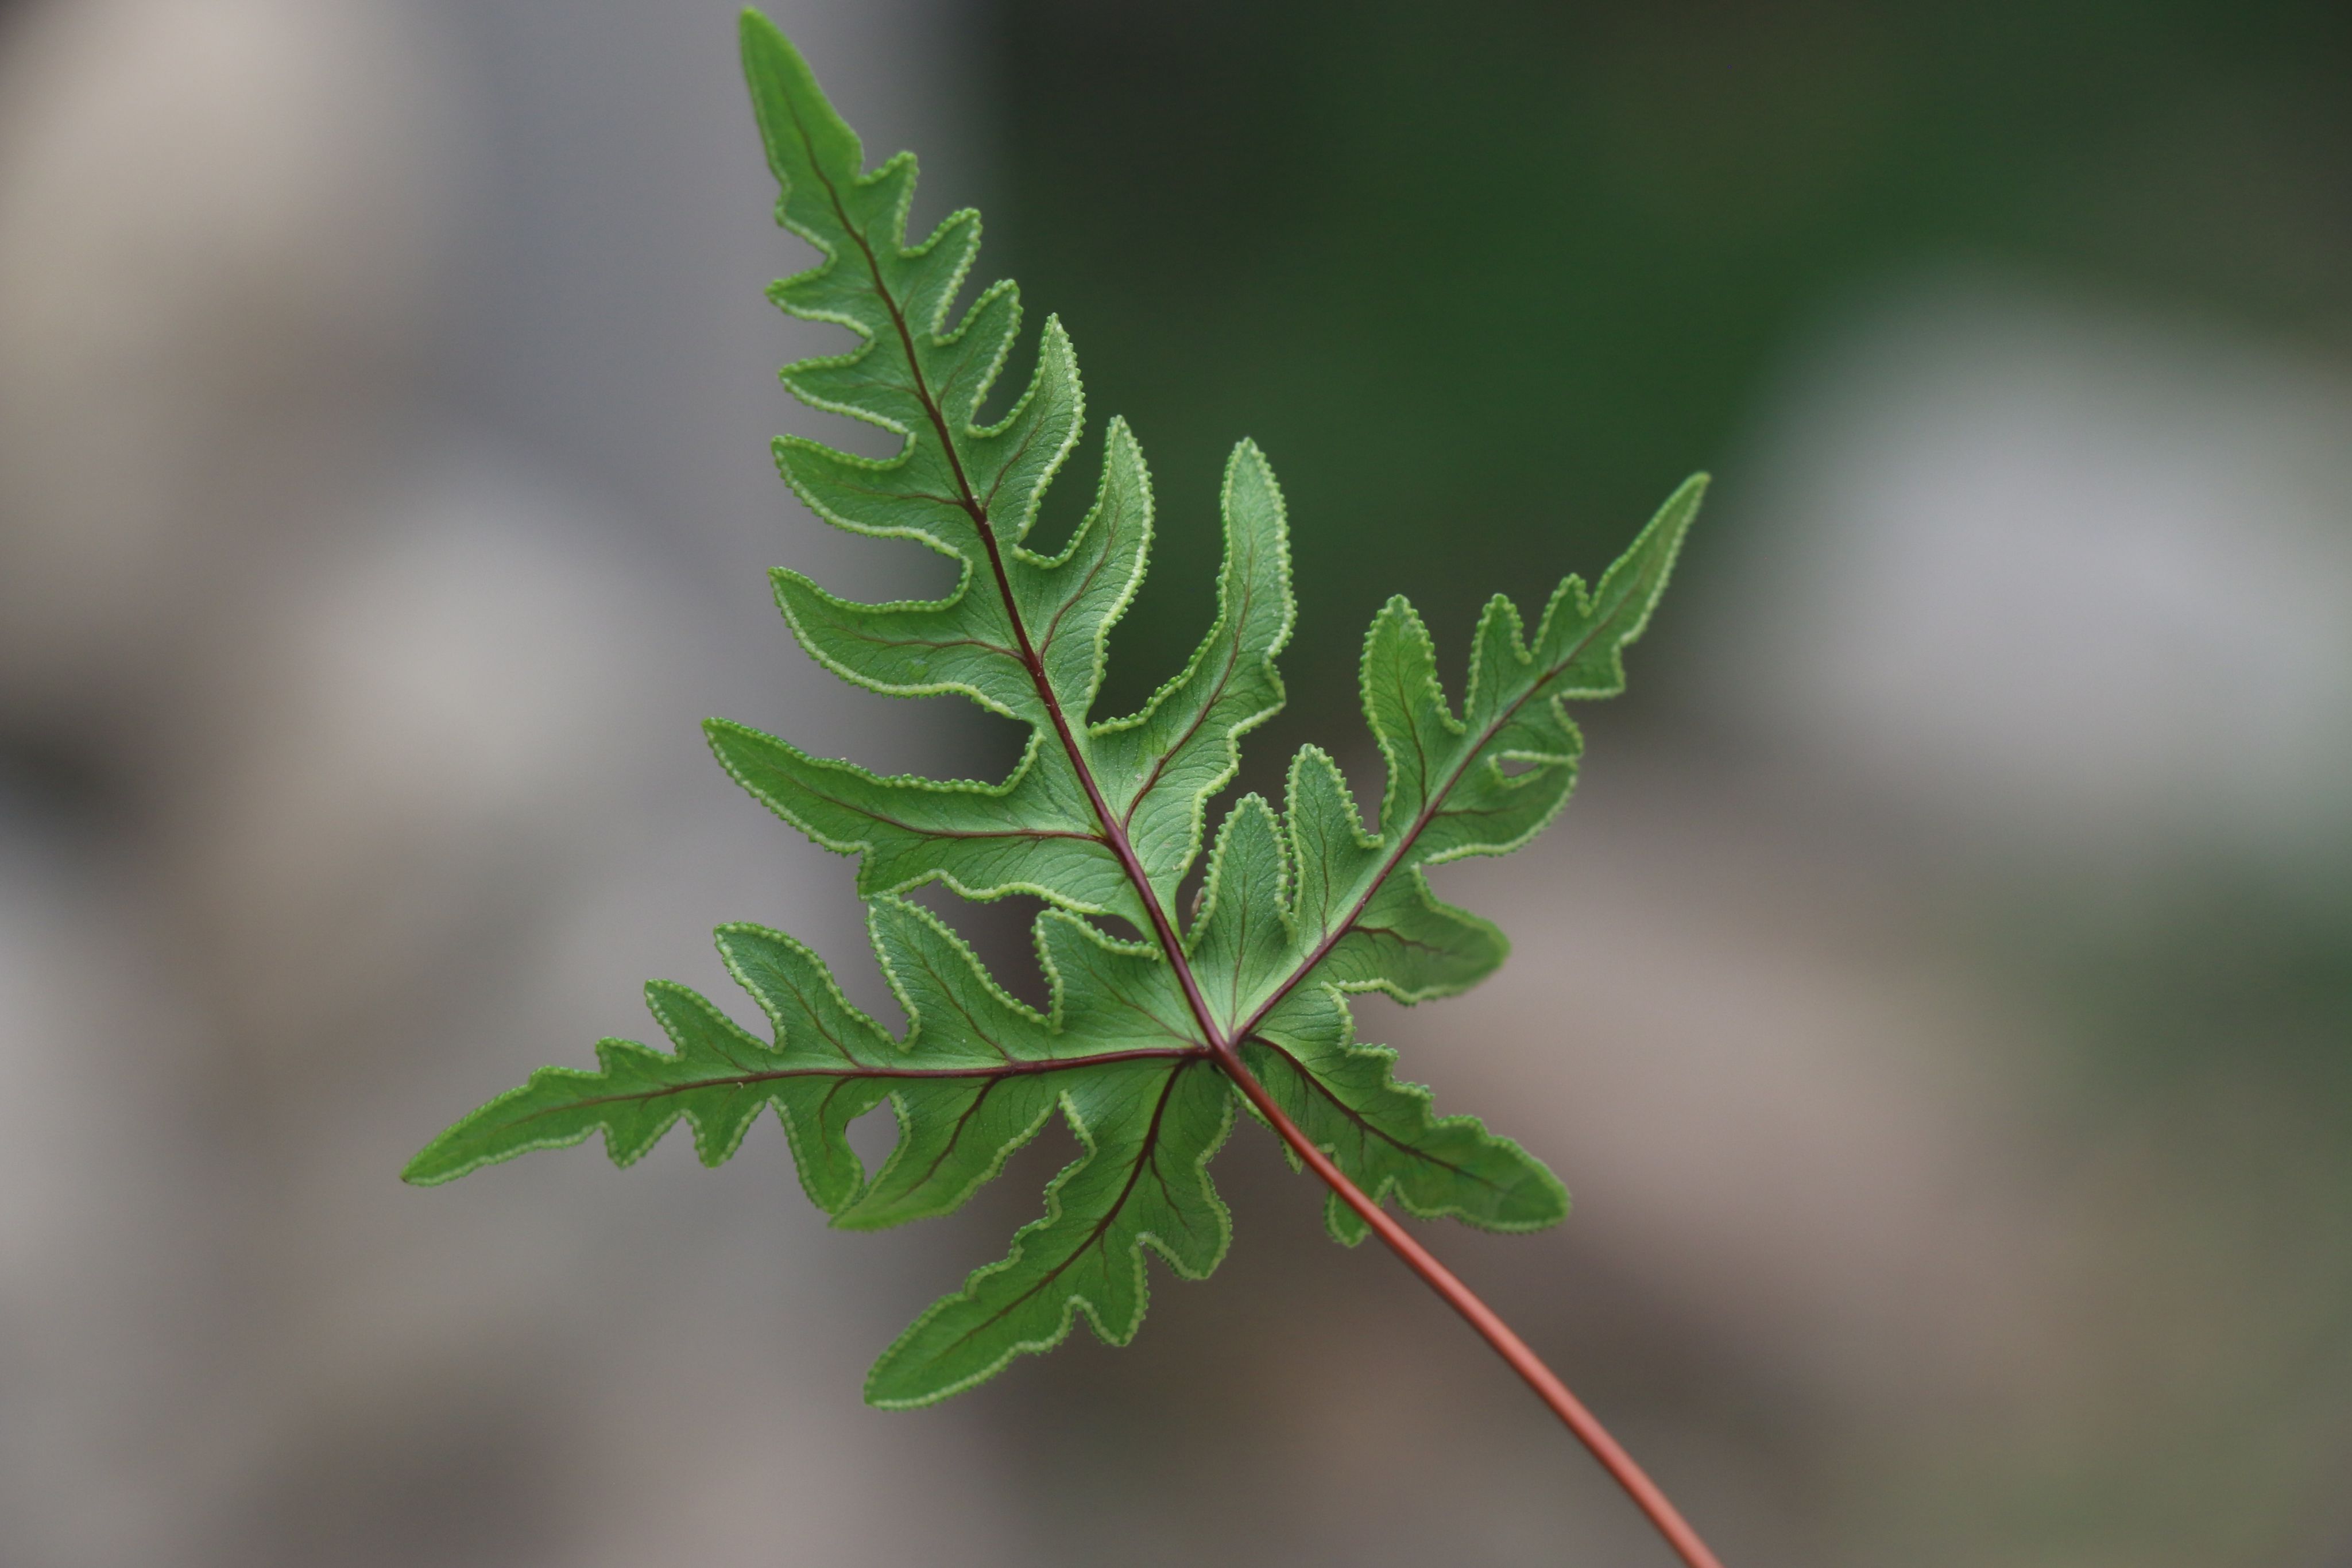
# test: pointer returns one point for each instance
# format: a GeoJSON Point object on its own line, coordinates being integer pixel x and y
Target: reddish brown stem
{"type": "Point", "coordinates": [1498, 1333]}
{"type": "Point", "coordinates": [1220, 1044]}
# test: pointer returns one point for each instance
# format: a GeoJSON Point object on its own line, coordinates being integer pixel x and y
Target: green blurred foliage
{"type": "Point", "coordinates": [1482, 277]}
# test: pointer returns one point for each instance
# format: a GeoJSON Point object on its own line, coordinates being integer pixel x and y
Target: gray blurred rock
{"type": "Point", "coordinates": [2055, 580]}
{"type": "Point", "coordinates": [353, 774]}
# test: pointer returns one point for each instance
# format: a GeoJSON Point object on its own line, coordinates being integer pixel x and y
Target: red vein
{"type": "Point", "coordinates": [1239, 631]}
{"type": "Point", "coordinates": [1363, 1123]}
{"type": "Point", "coordinates": [993, 1070]}
{"type": "Point", "coordinates": [1148, 1153]}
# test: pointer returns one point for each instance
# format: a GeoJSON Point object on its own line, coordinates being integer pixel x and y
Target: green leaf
{"type": "Point", "coordinates": [828, 1065]}
{"type": "Point", "coordinates": [1142, 1181]}
{"type": "Point", "coordinates": [1161, 766]}
{"type": "Point", "coordinates": [1482, 783]}
{"type": "Point", "coordinates": [1023, 633]}
{"type": "Point", "coordinates": [1145, 1042]}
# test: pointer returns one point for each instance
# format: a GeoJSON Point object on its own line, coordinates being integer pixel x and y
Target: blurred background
{"type": "Point", "coordinates": [1939, 1000]}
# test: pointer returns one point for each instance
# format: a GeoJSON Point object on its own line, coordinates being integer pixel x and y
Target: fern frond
{"type": "Point", "coordinates": [1145, 1044]}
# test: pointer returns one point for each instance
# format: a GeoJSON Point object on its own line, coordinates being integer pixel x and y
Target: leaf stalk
{"type": "Point", "coordinates": [1546, 1384]}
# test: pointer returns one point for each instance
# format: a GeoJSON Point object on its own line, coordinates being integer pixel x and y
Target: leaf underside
{"type": "Point", "coordinates": [1102, 817]}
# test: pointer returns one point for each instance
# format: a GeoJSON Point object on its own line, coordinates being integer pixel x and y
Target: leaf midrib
{"type": "Point", "coordinates": [1018, 1068]}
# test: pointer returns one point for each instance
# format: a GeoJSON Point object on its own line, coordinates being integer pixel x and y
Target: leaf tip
{"type": "Point", "coordinates": [1249, 472]}
{"type": "Point", "coordinates": [760, 41]}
